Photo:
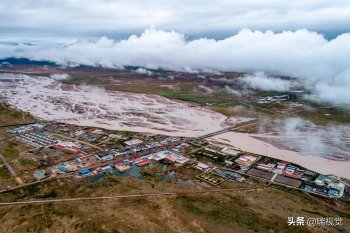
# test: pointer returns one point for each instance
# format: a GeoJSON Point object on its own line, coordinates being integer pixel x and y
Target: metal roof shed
{"type": "Point", "coordinates": [84, 171]}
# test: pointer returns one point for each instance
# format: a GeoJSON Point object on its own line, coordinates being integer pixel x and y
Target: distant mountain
{"type": "Point", "coordinates": [25, 61]}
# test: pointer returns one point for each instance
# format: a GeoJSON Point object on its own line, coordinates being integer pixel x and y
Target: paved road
{"type": "Point", "coordinates": [232, 190]}
{"type": "Point", "coordinates": [77, 140]}
{"type": "Point", "coordinates": [273, 178]}
{"type": "Point", "coordinates": [239, 126]}
{"type": "Point", "coordinates": [9, 167]}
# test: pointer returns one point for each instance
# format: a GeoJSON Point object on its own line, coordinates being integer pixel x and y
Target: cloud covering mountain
{"type": "Point", "coordinates": [321, 65]}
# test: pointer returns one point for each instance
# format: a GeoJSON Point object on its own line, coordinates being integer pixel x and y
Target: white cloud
{"type": "Point", "coordinates": [321, 65]}
{"type": "Point", "coordinates": [330, 141]}
{"type": "Point", "coordinates": [143, 71]}
{"type": "Point", "coordinates": [231, 91]}
{"type": "Point", "coordinates": [60, 76]}
{"type": "Point", "coordinates": [205, 89]}
{"type": "Point", "coordinates": [260, 81]}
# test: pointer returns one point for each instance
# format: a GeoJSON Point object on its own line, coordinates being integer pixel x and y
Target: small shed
{"type": "Point", "coordinates": [84, 171]}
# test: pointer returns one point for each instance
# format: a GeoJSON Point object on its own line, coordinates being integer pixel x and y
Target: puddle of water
{"type": "Point", "coordinates": [135, 171]}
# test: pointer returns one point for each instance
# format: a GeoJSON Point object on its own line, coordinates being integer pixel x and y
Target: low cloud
{"type": "Point", "coordinates": [206, 89]}
{"type": "Point", "coordinates": [231, 91]}
{"type": "Point", "coordinates": [321, 65]}
{"type": "Point", "coordinates": [329, 141]}
{"type": "Point", "coordinates": [143, 71]}
{"type": "Point", "coordinates": [260, 81]}
{"type": "Point", "coordinates": [60, 76]}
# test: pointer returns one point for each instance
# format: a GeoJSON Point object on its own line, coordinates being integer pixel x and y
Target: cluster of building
{"type": "Point", "coordinates": [272, 170]}
{"type": "Point", "coordinates": [229, 175]}
{"type": "Point", "coordinates": [26, 128]}
{"type": "Point", "coordinates": [131, 154]}
{"type": "Point", "coordinates": [41, 140]}
{"type": "Point", "coordinates": [70, 166]}
{"type": "Point", "coordinates": [141, 150]}
{"type": "Point", "coordinates": [124, 165]}
{"type": "Point", "coordinates": [37, 140]}
{"type": "Point", "coordinates": [67, 145]}
{"type": "Point", "coordinates": [133, 142]}
{"type": "Point", "coordinates": [325, 185]}
{"type": "Point", "coordinates": [292, 175]}
{"type": "Point", "coordinates": [169, 156]}
{"type": "Point", "coordinates": [87, 134]}
{"type": "Point", "coordinates": [216, 176]}
{"type": "Point", "coordinates": [271, 99]}
{"type": "Point", "coordinates": [230, 157]}
{"type": "Point", "coordinates": [246, 160]}
{"type": "Point", "coordinates": [225, 156]}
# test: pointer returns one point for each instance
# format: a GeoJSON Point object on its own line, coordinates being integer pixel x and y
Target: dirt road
{"type": "Point", "coordinates": [233, 190]}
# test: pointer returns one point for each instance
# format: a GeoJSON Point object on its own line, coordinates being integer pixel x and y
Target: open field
{"type": "Point", "coordinates": [262, 211]}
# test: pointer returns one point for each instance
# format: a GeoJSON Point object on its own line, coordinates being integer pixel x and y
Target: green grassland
{"type": "Point", "coordinates": [324, 116]}
{"type": "Point", "coordinates": [9, 115]}
{"type": "Point", "coordinates": [173, 89]}
{"type": "Point", "coordinates": [85, 80]}
{"type": "Point", "coordinates": [28, 162]}
{"type": "Point", "coordinates": [9, 150]}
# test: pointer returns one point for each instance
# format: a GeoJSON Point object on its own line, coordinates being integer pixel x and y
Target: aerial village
{"type": "Point", "coordinates": [65, 150]}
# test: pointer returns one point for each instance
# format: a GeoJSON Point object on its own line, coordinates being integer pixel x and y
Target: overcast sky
{"type": "Point", "coordinates": [195, 18]}
{"type": "Point", "coordinates": [305, 39]}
